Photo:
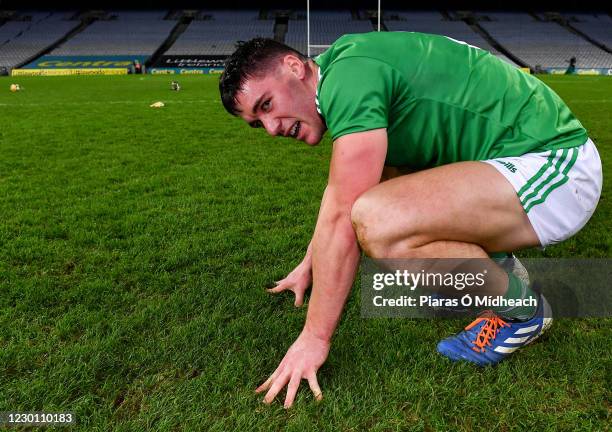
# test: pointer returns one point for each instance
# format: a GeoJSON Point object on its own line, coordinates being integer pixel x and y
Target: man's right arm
{"type": "Point", "coordinates": [308, 257]}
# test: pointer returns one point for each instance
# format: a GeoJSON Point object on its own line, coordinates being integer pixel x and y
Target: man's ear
{"type": "Point", "coordinates": [295, 65]}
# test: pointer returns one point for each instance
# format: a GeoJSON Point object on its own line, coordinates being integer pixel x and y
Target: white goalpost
{"type": "Point", "coordinates": [309, 45]}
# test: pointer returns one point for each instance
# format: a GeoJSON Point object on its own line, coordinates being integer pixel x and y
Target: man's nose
{"type": "Point", "coordinates": [273, 126]}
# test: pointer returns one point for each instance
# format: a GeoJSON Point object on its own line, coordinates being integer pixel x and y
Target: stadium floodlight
{"type": "Point", "coordinates": [309, 45]}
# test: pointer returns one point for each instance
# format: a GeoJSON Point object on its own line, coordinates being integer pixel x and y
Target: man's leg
{"type": "Point", "coordinates": [463, 210]}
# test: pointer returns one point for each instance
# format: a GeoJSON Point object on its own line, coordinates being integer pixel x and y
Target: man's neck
{"type": "Point", "coordinates": [314, 74]}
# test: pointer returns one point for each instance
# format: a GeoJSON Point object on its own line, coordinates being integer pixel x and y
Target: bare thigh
{"type": "Point", "coordinates": [467, 202]}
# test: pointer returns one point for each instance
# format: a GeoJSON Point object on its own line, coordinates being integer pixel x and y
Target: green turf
{"type": "Point", "coordinates": [135, 245]}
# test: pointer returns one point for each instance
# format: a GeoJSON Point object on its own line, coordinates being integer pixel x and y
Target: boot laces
{"type": "Point", "coordinates": [492, 326]}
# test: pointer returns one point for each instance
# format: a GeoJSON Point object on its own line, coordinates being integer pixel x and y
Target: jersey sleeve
{"type": "Point", "coordinates": [355, 95]}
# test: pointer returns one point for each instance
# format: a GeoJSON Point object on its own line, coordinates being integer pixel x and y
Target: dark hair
{"type": "Point", "coordinates": [251, 59]}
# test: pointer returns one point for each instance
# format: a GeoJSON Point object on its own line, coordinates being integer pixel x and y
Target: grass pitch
{"type": "Point", "coordinates": [135, 245]}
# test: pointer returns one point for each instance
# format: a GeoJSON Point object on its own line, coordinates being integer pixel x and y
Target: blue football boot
{"type": "Point", "coordinates": [490, 339]}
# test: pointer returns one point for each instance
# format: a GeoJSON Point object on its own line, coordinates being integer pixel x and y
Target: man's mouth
{"type": "Point", "coordinates": [295, 129]}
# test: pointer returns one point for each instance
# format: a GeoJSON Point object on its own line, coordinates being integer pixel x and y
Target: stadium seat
{"type": "Point", "coordinates": [130, 33]}
{"type": "Point", "coordinates": [21, 40]}
{"type": "Point", "coordinates": [218, 34]}
{"type": "Point", "coordinates": [543, 43]}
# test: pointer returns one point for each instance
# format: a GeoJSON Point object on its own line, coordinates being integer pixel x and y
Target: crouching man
{"type": "Point", "coordinates": [498, 163]}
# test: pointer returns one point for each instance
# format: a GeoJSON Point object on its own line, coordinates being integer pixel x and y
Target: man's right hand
{"type": "Point", "coordinates": [298, 281]}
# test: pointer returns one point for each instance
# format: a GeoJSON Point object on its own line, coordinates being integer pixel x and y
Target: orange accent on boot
{"type": "Point", "coordinates": [493, 324]}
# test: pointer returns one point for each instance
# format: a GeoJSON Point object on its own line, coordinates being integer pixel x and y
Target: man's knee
{"type": "Point", "coordinates": [374, 228]}
{"type": "Point", "coordinates": [360, 218]}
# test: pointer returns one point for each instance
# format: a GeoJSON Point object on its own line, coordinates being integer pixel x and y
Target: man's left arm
{"type": "Point", "coordinates": [356, 166]}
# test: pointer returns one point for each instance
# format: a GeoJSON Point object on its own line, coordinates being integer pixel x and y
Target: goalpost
{"type": "Point", "coordinates": [309, 45]}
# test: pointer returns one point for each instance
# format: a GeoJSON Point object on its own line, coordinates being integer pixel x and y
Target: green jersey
{"type": "Point", "coordinates": [441, 101]}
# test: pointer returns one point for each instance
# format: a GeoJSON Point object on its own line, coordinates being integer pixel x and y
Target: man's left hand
{"type": "Point", "coordinates": [302, 361]}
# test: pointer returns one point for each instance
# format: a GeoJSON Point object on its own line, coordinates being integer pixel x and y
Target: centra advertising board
{"type": "Point", "coordinates": [185, 71]}
{"type": "Point", "coordinates": [86, 62]}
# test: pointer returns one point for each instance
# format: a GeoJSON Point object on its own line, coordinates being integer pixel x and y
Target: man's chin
{"type": "Point", "coordinates": [313, 141]}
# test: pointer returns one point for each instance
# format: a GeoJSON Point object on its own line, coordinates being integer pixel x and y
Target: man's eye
{"type": "Point", "coordinates": [265, 106]}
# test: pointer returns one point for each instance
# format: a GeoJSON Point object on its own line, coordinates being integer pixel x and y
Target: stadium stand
{"type": "Point", "coordinates": [546, 40]}
{"type": "Point", "coordinates": [124, 33]}
{"type": "Point", "coordinates": [433, 22]}
{"type": "Point", "coordinates": [22, 40]}
{"type": "Point", "coordinates": [325, 28]}
{"type": "Point", "coordinates": [219, 31]}
{"type": "Point", "coordinates": [596, 26]}
{"type": "Point", "coordinates": [542, 43]}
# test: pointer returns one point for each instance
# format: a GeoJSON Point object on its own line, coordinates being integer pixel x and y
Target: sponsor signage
{"type": "Point", "coordinates": [189, 71]}
{"type": "Point", "coordinates": [581, 71]}
{"type": "Point", "coordinates": [190, 62]}
{"type": "Point", "coordinates": [85, 62]}
{"type": "Point", "coordinates": [64, 72]}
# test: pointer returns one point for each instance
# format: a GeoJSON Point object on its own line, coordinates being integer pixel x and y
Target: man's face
{"type": "Point", "coordinates": [283, 102]}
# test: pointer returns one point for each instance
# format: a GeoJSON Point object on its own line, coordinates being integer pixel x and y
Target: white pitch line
{"type": "Point", "coordinates": [147, 103]}
{"type": "Point", "coordinates": [591, 100]}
